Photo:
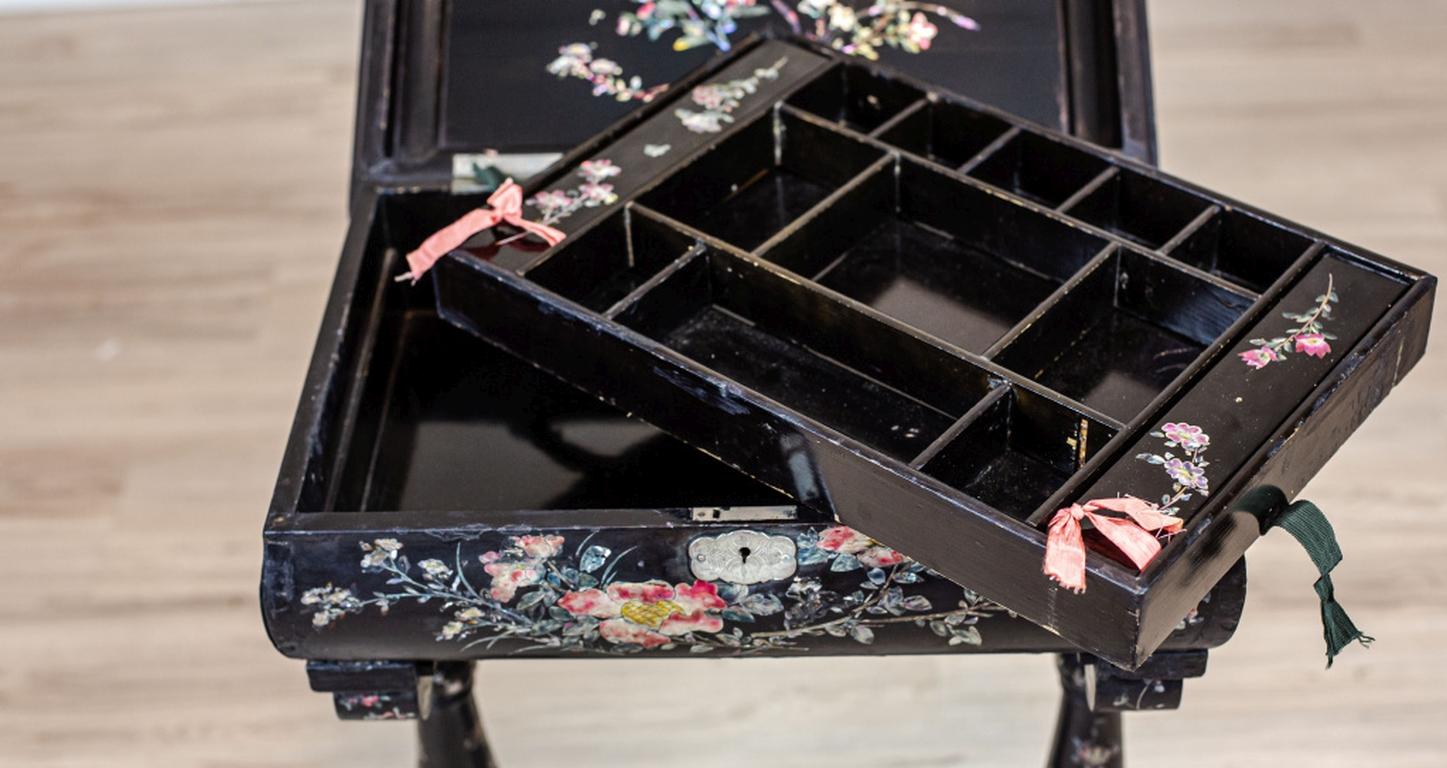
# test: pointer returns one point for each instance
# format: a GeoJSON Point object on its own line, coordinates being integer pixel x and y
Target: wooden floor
{"type": "Point", "coordinates": [171, 206]}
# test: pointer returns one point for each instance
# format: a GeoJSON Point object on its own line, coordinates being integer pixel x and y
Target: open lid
{"type": "Point", "coordinates": [442, 81]}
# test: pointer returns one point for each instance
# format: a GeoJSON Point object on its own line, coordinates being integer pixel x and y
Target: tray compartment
{"type": "Point", "coordinates": [1242, 248]}
{"type": "Point", "coordinates": [1017, 450]}
{"type": "Point", "coordinates": [946, 133]}
{"type": "Point", "coordinates": [1139, 208]}
{"type": "Point", "coordinates": [809, 352]}
{"type": "Point", "coordinates": [950, 259]}
{"type": "Point", "coordinates": [855, 97]}
{"type": "Point", "coordinates": [1120, 335]}
{"type": "Point", "coordinates": [758, 181]}
{"type": "Point", "coordinates": [610, 260]}
{"type": "Point", "coordinates": [466, 426]}
{"type": "Point", "coordinates": [1043, 170]}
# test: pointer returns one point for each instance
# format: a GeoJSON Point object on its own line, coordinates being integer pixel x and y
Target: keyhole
{"type": "Point", "coordinates": [744, 553]}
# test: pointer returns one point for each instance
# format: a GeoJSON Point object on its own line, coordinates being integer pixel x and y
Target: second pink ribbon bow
{"type": "Point", "coordinates": [504, 206]}
{"type": "Point", "coordinates": [1134, 535]}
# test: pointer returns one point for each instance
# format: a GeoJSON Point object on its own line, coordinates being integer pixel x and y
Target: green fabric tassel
{"type": "Point", "coordinates": [1306, 523]}
{"type": "Point", "coordinates": [487, 177]}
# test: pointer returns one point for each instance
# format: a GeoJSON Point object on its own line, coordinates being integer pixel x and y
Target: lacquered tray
{"type": "Point", "coordinates": [940, 325]}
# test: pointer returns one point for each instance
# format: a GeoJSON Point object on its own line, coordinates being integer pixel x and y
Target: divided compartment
{"type": "Point", "coordinates": [610, 261]}
{"type": "Point", "coordinates": [1123, 332]}
{"type": "Point", "coordinates": [944, 132]}
{"type": "Point", "coordinates": [1242, 248]}
{"type": "Point", "coordinates": [855, 97]}
{"type": "Point", "coordinates": [955, 261]}
{"type": "Point", "coordinates": [759, 180]}
{"type": "Point", "coordinates": [1144, 210]}
{"type": "Point", "coordinates": [808, 351]}
{"type": "Point", "coordinates": [1015, 450]}
{"type": "Point", "coordinates": [1039, 169]}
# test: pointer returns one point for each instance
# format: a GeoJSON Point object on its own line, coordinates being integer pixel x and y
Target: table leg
{"type": "Point", "coordinates": [1083, 738]}
{"type": "Point", "coordinates": [451, 735]}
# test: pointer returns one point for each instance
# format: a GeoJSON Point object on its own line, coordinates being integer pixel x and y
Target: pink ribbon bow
{"type": "Point", "coordinates": [505, 207]}
{"type": "Point", "coordinates": [1133, 535]}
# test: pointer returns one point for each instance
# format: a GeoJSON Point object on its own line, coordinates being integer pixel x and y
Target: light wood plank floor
{"type": "Point", "coordinates": [172, 184]}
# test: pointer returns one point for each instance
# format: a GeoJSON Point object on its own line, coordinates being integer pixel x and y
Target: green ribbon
{"type": "Point", "coordinates": [1306, 523]}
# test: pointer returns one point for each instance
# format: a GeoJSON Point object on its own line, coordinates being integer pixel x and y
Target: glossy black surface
{"type": "Point", "coordinates": [750, 326]}
{"type": "Point", "coordinates": [496, 90]}
{"type": "Point", "coordinates": [927, 279]}
{"type": "Point", "coordinates": [467, 426]}
{"type": "Point", "coordinates": [1038, 169]}
{"type": "Point", "coordinates": [757, 182]}
{"type": "Point", "coordinates": [491, 246]}
{"type": "Point", "coordinates": [762, 206]}
{"type": "Point", "coordinates": [952, 261]}
{"type": "Point", "coordinates": [610, 261]}
{"type": "Point", "coordinates": [897, 424]}
{"type": "Point", "coordinates": [495, 54]}
{"type": "Point", "coordinates": [1121, 335]}
{"type": "Point", "coordinates": [944, 132]}
{"type": "Point", "coordinates": [1117, 363]}
{"type": "Point", "coordinates": [1144, 210]}
{"type": "Point", "coordinates": [854, 96]}
{"type": "Point", "coordinates": [1016, 451]}
{"type": "Point", "coordinates": [1242, 248]}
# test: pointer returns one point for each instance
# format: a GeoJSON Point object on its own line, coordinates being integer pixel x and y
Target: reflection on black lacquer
{"type": "Point", "coordinates": [471, 427]}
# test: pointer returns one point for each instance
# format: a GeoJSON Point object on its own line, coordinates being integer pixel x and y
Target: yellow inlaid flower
{"type": "Point", "coordinates": [651, 615]}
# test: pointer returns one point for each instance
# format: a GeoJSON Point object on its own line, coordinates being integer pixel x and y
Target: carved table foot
{"type": "Point", "coordinates": [1083, 738]}
{"type": "Point", "coordinates": [450, 736]}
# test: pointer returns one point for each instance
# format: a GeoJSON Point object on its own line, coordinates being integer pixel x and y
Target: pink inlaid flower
{"type": "Point", "coordinates": [1188, 436]}
{"type": "Point", "coordinates": [880, 557]}
{"type": "Point", "coordinates": [589, 602]}
{"type": "Point", "coordinates": [1186, 474]}
{"type": "Point", "coordinates": [508, 577]}
{"type": "Point", "coordinates": [921, 32]}
{"type": "Point", "coordinates": [598, 170]}
{"type": "Point", "coordinates": [1260, 357]}
{"type": "Point", "coordinates": [1313, 344]}
{"type": "Point", "coordinates": [708, 96]}
{"type": "Point", "coordinates": [702, 596]}
{"type": "Point", "coordinates": [593, 194]}
{"type": "Point", "coordinates": [844, 540]}
{"type": "Point", "coordinates": [625, 632]}
{"type": "Point", "coordinates": [642, 591]}
{"type": "Point", "coordinates": [697, 621]}
{"type": "Point", "coordinates": [550, 201]}
{"type": "Point", "coordinates": [539, 547]}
